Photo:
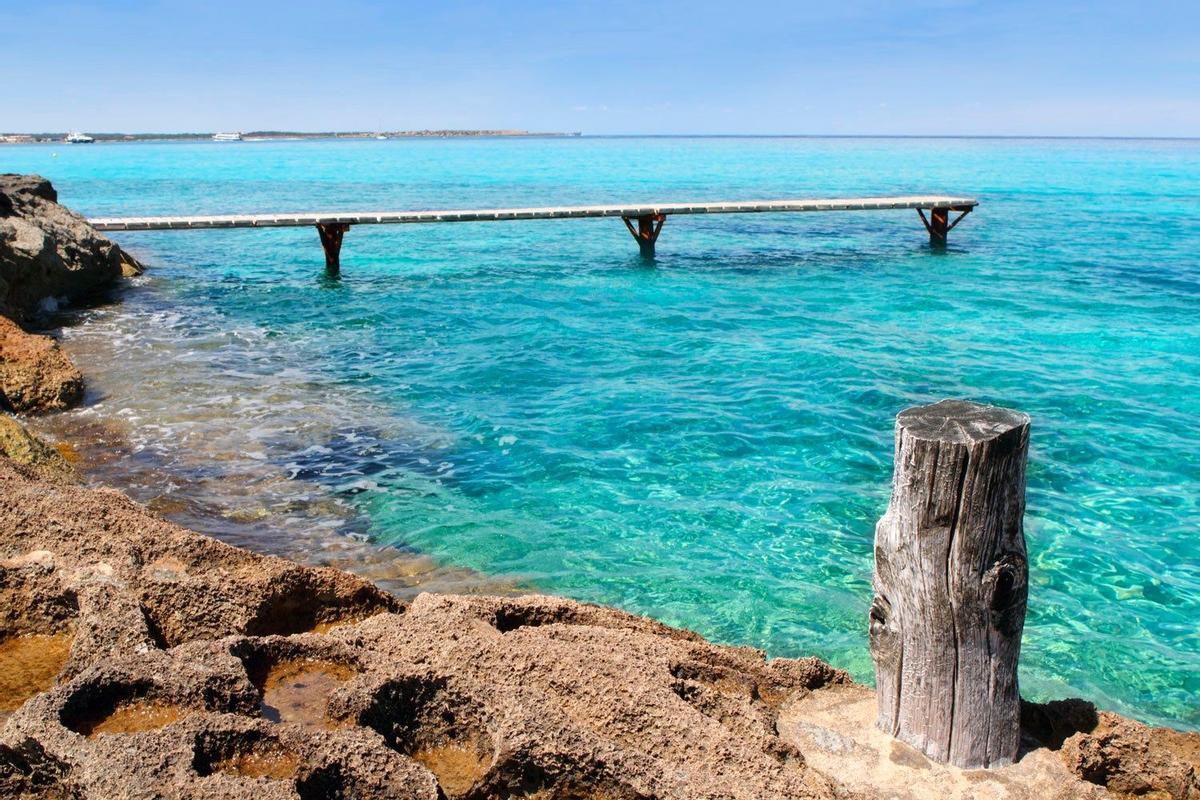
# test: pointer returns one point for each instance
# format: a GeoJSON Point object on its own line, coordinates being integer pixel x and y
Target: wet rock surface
{"type": "Point", "coordinates": [35, 374]}
{"type": "Point", "coordinates": [49, 251]}
{"type": "Point", "coordinates": [23, 447]}
{"type": "Point", "coordinates": [190, 668]}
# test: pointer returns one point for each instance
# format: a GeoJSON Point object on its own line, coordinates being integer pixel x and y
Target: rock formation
{"type": "Point", "coordinates": [22, 447]}
{"type": "Point", "coordinates": [46, 252]}
{"type": "Point", "coordinates": [139, 659]}
{"type": "Point", "coordinates": [35, 374]}
{"type": "Point", "coordinates": [171, 644]}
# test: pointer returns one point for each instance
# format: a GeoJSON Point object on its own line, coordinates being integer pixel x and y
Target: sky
{"type": "Point", "coordinates": [940, 67]}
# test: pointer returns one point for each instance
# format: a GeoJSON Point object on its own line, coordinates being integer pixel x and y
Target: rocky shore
{"type": "Point", "coordinates": [140, 659]}
{"type": "Point", "coordinates": [48, 254]}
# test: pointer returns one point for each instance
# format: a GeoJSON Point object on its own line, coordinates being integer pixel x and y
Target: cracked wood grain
{"type": "Point", "coordinates": [951, 583]}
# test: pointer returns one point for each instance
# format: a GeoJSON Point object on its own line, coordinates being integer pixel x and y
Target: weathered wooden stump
{"type": "Point", "coordinates": [951, 583]}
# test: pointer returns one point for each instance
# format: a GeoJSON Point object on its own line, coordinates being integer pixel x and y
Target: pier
{"type": "Point", "coordinates": [644, 222]}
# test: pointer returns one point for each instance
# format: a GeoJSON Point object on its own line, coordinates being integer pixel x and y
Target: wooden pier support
{"type": "Point", "coordinates": [646, 233]}
{"type": "Point", "coordinates": [331, 240]}
{"type": "Point", "coordinates": [951, 584]}
{"type": "Point", "coordinates": [332, 225]}
{"type": "Point", "coordinates": [939, 225]}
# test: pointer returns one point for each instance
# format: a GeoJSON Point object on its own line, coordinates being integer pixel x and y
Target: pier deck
{"type": "Point", "coordinates": [648, 217]}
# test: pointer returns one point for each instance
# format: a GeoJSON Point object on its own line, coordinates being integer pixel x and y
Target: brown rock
{"type": "Point", "coordinates": [177, 636]}
{"type": "Point", "coordinates": [34, 185]}
{"type": "Point", "coordinates": [130, 266]}
{"type": "Point", "coordinates": [835, 728]}
{"type": "Point", "coordinates": [24, 448]}
{"type": "Point", "coordinates": [47, 250]}
{"type": "Point", "coordinates": [1133, 759]}
{"type": "Point", "coordinates": [196, 669]}
{"type": "Point", "coordinates": [35, 374]}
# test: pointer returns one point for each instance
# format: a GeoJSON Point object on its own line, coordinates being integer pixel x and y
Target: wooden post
{"type": "Point", "coordinates": [331, 240]}
{"type": "Point", "coordinates": [648, 228]}
{"type": "Point", "coordinates": [951, 583]}
{"type": "Point", "coordinates": [939, 224]}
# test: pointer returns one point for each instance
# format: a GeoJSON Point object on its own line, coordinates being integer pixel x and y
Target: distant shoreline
{"type": "Point", "coordinates": [57, 138]}
{"type": "Point", "coordinates": [34, 138]}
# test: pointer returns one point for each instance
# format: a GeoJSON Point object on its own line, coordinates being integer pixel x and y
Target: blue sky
{"type": "Point", "coordinates": [842, 67]}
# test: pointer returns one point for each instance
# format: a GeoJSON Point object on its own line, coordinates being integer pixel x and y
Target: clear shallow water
{"type": "Point", "coordinates": [706, 440]}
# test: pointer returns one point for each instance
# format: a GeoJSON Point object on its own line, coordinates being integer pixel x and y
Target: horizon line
{"type": "Point", "coordinates": [510, 133]}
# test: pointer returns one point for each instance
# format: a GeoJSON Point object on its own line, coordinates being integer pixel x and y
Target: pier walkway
{"type": "Point", "coordinates": [643, 221]}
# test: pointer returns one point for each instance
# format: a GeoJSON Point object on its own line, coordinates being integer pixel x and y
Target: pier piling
{"type": "Point", "coordinates": [331, 241]}
{"type": "Point", "coordinates": [951, 581]}
{"type": "Point", "coordinates": [939, 224]}
{"type": "Point", "coordinates": [646, 233]}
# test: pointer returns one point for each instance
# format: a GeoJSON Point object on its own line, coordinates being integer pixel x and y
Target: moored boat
{"type": "Point", "coordinates": [75, 137]}
{"type": "Point", "coordinates": [227, 137]}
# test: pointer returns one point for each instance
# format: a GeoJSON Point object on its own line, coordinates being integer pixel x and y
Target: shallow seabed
{"type": "Point", "coordinates": [705, 439]}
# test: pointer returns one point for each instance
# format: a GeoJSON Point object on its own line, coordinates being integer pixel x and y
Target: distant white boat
{"type": "Point", "coordinates": [381, 136]}
{"type": "Point", "coordinates": [75, 137]}
{"type": "Point", "coordinates": [227, 137]}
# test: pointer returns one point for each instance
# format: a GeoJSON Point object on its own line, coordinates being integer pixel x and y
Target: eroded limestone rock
{"type": "Point", "coordinates": [35, 374]}
{"type": "Point", "coordinates": [197, 669]}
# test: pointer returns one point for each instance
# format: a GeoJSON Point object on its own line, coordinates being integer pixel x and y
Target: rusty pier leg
{"type": "Point", "coordinates": [646, 233]}
{"type": "Point", "coordinates": [939, 225]}
{"type": "Point", "coordinates": [331, 240]}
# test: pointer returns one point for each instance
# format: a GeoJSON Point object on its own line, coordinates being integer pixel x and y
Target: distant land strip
{"type": "Point", "coordinates": [27, 138]}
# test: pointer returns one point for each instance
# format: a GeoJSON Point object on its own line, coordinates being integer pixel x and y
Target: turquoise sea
{"type": "Point", "coordinates": [706, 438]}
